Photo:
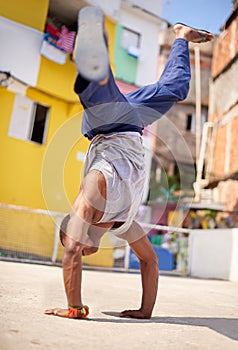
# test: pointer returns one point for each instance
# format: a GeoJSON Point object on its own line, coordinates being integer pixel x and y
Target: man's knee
{"type": "Point", "coordinates": [72, 247]}
{"type": "Point", "coordinates": [72, 220]}
{"type": "Point", "coordinates": [63, 228]}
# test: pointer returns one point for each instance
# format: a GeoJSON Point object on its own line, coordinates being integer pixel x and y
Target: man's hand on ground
{"type": "Point", "coordinates": [135, 314]}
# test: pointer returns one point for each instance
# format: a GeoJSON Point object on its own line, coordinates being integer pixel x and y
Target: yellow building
{"type": "Point", "coordinates": [42, 148]}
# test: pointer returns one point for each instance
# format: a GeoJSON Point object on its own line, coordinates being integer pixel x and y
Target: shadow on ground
{"type": "Point", "coordinates": [225, 326]}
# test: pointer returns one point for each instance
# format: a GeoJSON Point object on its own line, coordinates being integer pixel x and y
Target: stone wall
{"type": "Point", "coordinates": [222, 152]}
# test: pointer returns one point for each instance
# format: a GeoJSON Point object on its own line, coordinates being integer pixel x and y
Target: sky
{"type": "Point", "coordinates": [205, 14]}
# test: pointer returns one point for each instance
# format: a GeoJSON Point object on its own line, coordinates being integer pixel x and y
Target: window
{"type": "Point", "coordinates": [189, 122]}
{"type": "Point", "coordinates": [29, 120]}
{"type": "Point", "coordinates": [39, 123]}
{"type": "Point", "coordinates": [130, 38]}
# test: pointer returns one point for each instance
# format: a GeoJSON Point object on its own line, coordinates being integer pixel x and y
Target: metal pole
{"type": "Point", "coordinates": [198, 112]}
{"type": "Point", "coordinates": [164, 228]}
{"type": "Point", "coordinates": [127, 257]}
{"type": "Point", "coordinates": [201, 159]}
{"type": "Point", "coordinates": [56, 239]}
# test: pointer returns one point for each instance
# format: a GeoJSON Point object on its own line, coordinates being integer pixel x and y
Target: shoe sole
{"type": "Point", "coordinates": [91, 56]}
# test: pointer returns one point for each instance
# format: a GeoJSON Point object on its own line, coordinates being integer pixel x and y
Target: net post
{"type": "Point", "coordinates": [58, 220]}
{"type": "Point", "coordinates": [127, 257]}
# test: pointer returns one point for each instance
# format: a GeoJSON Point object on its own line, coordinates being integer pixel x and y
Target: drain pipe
{"type": "Point", "coordinates": [198, 99]}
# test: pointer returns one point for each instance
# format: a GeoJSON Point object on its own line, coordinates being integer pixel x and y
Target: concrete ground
{"type": "Point", "coordinates": [189, 313]}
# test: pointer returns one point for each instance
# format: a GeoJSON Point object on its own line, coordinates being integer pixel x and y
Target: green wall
{"type": "Point", "coordinates": [125, 65]}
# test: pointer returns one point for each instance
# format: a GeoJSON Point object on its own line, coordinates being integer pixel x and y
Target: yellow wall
{"type": "Point", "coordinates": [58, 80]}
{"type": "Point", "coordinates": [21, 180]}
{"type": "Point", "coordinates": [43, 176]}
{"type": "Point", "coordinates": [111, 30]}
{"type": "Point", "coordinates": [27, 232]}
{"type": "Point", "coordinates": [21, 171]}
{"type": "Point", "coordinates": [31, 13]}
{"type": "Point", "coordinates": [21, 175]}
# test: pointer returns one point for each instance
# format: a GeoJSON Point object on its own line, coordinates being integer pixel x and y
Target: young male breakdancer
{"type": "Point", "coordinates": [114, 174]}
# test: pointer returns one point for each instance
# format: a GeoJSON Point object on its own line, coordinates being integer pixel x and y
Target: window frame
{"type": "Point", "coordinates": [23, 118]}
{"type": "Point", "coordinates": [131, 31]}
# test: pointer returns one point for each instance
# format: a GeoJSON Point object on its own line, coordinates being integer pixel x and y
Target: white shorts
{"type": "Point", "coordinates": [120, 158]}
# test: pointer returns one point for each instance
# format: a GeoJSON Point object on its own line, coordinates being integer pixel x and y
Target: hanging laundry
{"type": "Point", "coordinates": [53, 31]}
{"type": "Point", "coordinates": [66, 39]}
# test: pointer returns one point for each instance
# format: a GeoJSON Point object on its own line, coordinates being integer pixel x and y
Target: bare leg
{"type": "Point", "coordinates": [149, 272]}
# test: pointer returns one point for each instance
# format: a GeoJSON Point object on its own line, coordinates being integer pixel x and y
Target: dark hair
{"type": "Point", "coordinates": [63, 228]}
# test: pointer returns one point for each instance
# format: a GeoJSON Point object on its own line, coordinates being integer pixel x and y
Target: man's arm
{"type": "Point", "coordinates": [149, 272]}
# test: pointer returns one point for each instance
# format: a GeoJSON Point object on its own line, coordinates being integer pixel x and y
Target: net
{"type": "Point", "coordinates": [31, 235]}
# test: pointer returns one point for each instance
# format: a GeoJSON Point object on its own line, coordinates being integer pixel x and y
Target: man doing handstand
{"type": "Point", "coordinates": [114, 173]}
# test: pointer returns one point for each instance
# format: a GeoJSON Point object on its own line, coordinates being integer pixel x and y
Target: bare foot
{"type": "Point", "coordinates": [135, 314]}
{"type": "Point", "coordinates": [192, 34]}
